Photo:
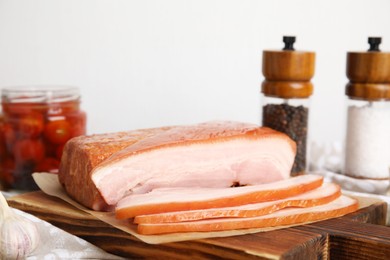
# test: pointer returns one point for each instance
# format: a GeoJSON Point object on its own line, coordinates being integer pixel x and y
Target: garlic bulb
{"type": "Point", "coordinates": [18, 235]}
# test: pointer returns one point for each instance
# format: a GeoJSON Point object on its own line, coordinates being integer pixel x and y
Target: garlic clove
{"type": "Point", "coordinates": [18, 235]}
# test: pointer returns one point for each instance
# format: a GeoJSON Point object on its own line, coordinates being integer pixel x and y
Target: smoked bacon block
{"type": "Point", "coordinates": [208, 155]}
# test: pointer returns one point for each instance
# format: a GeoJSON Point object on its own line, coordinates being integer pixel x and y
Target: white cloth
{"type": "Point", "coordinates": [326, 160]}
{"type": "Point", "coordinates": [56, 243]}
{"type": "Point", "coordinates": [373, 187]}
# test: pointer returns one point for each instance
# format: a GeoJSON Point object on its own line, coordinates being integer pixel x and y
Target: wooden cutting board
{"type": "Point", "coordinates": [360, 235]}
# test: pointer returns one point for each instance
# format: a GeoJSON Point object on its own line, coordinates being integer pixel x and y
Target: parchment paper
{"type": "Point", "coordinates": [50, 185]}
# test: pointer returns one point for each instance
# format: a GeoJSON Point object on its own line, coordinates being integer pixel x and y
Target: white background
{"type": "Point", "coordinates": [149, 63]}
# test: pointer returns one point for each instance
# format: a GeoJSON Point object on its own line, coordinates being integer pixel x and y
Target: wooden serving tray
{"type": "Point", "coordinates": [359, 235]}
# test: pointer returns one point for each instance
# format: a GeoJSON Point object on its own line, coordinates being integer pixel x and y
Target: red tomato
{"type": "Point", "coordinates": [50, 149]}
{"type": "Point", "coordinates": [78, 130]}
{"type": "Point", "coordinates": [59, 151]}
{"type": "Point", "coordinates": [58, 131]}
{"type": "Point", "coordinates": [31, 125]}
{"type": "Point", "coordinates": [9, 136]}
{"type": "Point", "coordinates": [62, 108]}
{"type": "Point", "coordinates": [78, 122]}
{"type": "Point", "coordinates": [6, 173]}
{"type": "Point", "coordinates": [3, 150]}
{"type": "Point", "coordinates": [24, 108]}
{"type": "Point", "coordinates": [29, 150]}
{"type": "Point", "coordinates": [48, 164]}
{"type": "Point", "coordinates": [3, 147]}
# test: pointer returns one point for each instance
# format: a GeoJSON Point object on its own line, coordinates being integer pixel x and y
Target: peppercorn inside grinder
{"type": "Point", "coordinates": [286, 95]}
{"type": "Point", "coordinates": [367, 139]}
{"type": "Point", "coordinates": [35, 124]}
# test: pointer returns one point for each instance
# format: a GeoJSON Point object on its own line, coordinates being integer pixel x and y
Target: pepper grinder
{"type": "Point", "coordinates": [367, 143]}
{"type": "Point", "coordinates": [286, 93]}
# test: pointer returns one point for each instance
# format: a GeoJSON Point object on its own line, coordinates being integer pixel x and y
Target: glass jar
{"type": "Point", "coordinates": [286, 96]}
{"type": "Point", "coordinates": [367, 138]}
{"type": "Point", "coordinates": [290, 116]}
{"type": "Point", "coordinates": [35, 124]}
{"type": "Point", "coordinates": [367, 144]}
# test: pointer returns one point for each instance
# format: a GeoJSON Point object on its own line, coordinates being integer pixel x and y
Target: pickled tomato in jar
{"type": "Point", "coordinates": [35, 124]}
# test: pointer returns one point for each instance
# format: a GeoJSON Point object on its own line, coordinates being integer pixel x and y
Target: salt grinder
{"type": "Point", "coordinates": [286, 95]}
{"type": "Point", "coordinates": [367, 144]}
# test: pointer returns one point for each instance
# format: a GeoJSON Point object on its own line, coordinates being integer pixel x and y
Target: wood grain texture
{"type": "Point", "coordinates": [287, 89]}
{"type": "Point", "coordinates": [368, 91]}
{"type": "Point", "coordinates": [369, 75]}
{"type": "Point", "coordinates": [288, 65]}
{"type": "Point", "coordinates": [351, 240]}
{"type": "Point", "coordinates": [321, 240]}
{"type": "Point", "coordinates": [375, 213]}
{"type": "Point", "coordinates": [288, 74]}
{"type": "Point", "coordinates": [368, 67]}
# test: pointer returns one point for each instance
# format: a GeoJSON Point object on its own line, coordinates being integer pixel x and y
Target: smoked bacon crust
{"type": "Point", "coordinates": [82, 154]}
{"type": "Point", "coordinates": [208, 132]}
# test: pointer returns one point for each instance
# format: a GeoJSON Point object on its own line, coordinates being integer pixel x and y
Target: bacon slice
{"type": "Point", "coordinates": [214, 155]}
{"type": "Point", "coordinates": [322, 195]}
{"type": "Point", "coordinates": [339, 207]}
{"type": "Point", "coordinates": [180, 199]}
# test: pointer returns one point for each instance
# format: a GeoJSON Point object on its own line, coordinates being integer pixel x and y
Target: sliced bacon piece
{"type": "Point", "coordinates": [339, 207]}
{"type": "Point", "coordinates": [180, 199]}
{"type": "Point", "coordinates": [322, 195]}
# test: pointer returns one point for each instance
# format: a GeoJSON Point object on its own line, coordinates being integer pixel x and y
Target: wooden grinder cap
{"type": "Point", "coordinates": [369, 73]}
{"type": "Point", "coordinates": [288, 72]}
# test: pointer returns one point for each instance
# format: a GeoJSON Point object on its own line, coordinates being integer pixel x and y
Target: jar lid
{"type": "Point", "coordinates": [372, 66]}
{"type": "Point", "coordinates": [288, 65]}
{"type": "Point", "coordinates": [39, 94]}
